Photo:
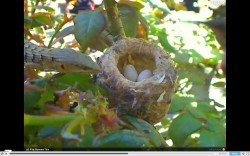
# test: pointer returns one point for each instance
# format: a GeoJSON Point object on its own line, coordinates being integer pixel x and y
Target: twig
{"type": "Point", "coordinates": [164, 9]}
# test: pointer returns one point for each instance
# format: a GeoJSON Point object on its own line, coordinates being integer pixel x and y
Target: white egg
{"type": "Point", "coordinates": [130, 72]}
{"type": "Point", "coordinates": [144, 75]}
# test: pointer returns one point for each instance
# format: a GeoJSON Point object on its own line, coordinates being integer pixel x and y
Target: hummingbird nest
{"type": "Point", "coordinates": [148, 99]}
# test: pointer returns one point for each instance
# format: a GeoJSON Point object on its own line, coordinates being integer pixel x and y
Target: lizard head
{"type": "Point", "coordinates": [71, 61]}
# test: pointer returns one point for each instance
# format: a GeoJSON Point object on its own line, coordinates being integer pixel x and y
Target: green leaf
{"type": "Point", "coordinates": [38, 82]}
{"type": "Point", "coordinates": [217, 56]}
{"type": "Point", "coordinates": [162, 36]}
{"type": "Point", "coordinates": [200, 92]}
{"type": "Point", "coordinates": [219, 84]}
{"type": "Point", "coordinates": [178, 103]}
{"type": "Point", "coordinates": [190, 142]}
{"type": "Point", "coordinates": [211, 139]}
{"type": "Point", "coordinates": [182, 127]}
{"type": "Point", "coordinates": [31, 98]}
{"type": "Point", "coordinates": [61, 82]}
{"type": "Point", "coordinates": [83, 81]}
{"type": "Point", "coordinates": [48, 94]}
{"type": "Point", "coordinates": [200, 83]}
{"type": "Point", "coordinates": [123, 139]}
{"type": "Point", "coordinates": [145, 128]}
{"type": "Point", "coordinates": [198, 76]}
{"type": "Point", "coordinates": [129, 19]}
{"type": "Point", "coordinates": [27, 20]}
{"type": "Point", "coordinates": [216, 126]}
{"type": "Point", "coordinates": [88, 137]}
{"type": "Point", "coordinates": [197, 58]}
{"type": "Point", "coordinates": [58, 18]}
{"type": "Point", "coordinates": [43, 18]}
{"type": "Point", "coordinates": [88, 26]}
{"type": "Point", "coordinates": [183, 71]}
{"type": "Point", "coordinates": [182, 57]}
{"type": "Point", "coordinates": [49, 130]}
{"type": "Point", "coordinates": [52, 142]}
{"type": "Point", "coordinates": [98, 44]}
{"type": "Point", "coordinates": [30, 133]}
{"type": "Point", "coordinates": [166, 121]}
{"type": "Point", "coordinates": [205, 106]}
{"type": "Point", "coordinates": [152, 29]}
{"type": "Point", "coordinates": [196, 113]}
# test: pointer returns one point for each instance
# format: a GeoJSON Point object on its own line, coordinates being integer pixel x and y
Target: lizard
{"type": "Point", "coordinates": [61, 60]}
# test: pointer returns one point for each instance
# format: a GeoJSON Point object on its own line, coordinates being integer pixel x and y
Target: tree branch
{"type": "Point", "coordinates": [35, 120]}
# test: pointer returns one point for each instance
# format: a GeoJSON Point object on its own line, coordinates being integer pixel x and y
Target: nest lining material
{"type": "Point", "coordinates": [149, 99]}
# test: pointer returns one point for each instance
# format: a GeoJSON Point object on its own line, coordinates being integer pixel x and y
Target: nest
{"type": "Point", "coordinates": [149, 99]}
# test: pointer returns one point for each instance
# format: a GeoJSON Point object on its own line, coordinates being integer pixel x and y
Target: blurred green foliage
{"type": "Point", "coordinates": [197, 116]}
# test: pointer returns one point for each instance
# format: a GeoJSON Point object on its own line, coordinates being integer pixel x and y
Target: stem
{"type": "Point", "coordinates": [54, 35]}
{"type": "Point", "coordinates": [58, 28]}
{"type": "Point", "coordinates": [26, 6]}
{"type": "Point", "coordinates": [35, 120]}
{"type": "Point", "coordinates": [34, 9]}
{"type": "Point", "coordinates": [115, 20]}
{"type": "Point", "coordinates": [107, 37]}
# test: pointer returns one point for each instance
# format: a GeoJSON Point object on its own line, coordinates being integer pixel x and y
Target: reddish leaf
{"type": "Point", "coordinates": [55, 110]}
{"type": "Point", "coordinates": [62, 99]}
{"type": "Point", "coordinates": [106, 116]}
{"type": "Point", "coordinates": [30, 73]}
{"type": "Point", "coordinates": [110, 121]}
{"type": "Point", "coordinates": [38, 39]}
